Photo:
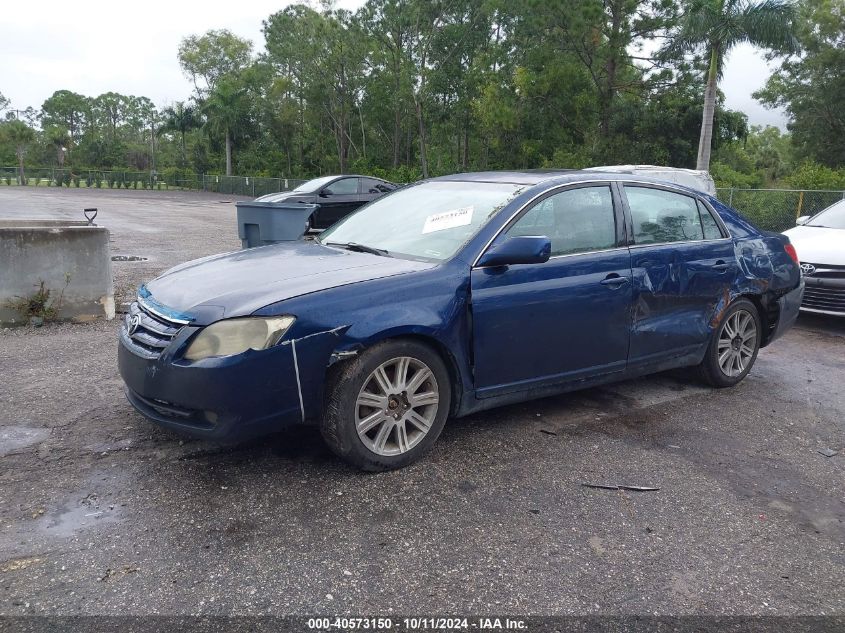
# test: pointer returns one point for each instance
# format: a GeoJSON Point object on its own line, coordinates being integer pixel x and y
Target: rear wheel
{"type": "Point", "coordinates": [385, 408]}
{"type": "Point", "coordinates": [734, 346]}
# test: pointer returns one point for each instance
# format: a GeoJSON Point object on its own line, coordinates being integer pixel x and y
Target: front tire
{"type": "Point", "coordinates": [734, 346]}
{"type": "Point", "coordinates": [385, 408]}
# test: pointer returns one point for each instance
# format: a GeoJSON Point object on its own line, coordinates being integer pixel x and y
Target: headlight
{"type": "Point", "coordinates": [235, 336]}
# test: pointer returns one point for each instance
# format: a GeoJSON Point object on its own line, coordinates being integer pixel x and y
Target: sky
{"type": "Point", "coordinates": [97, 46]}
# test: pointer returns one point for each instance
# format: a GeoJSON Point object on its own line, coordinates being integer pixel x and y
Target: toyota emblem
{"type": "Point", "coordinates": [133, 324]}
{"type": "Point", "coordinates": [808, 269]}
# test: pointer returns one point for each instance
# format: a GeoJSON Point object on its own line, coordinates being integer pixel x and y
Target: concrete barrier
{"type": "Point", "coordinates": [62, 267]}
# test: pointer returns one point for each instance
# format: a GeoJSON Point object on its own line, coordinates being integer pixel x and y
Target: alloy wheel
{"type": "Point", "coordinates": [396, 406]}
{"type": "Point", "coordinates": [737, 343]}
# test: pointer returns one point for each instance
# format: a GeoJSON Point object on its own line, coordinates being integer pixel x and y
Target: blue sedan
{"type": "Point", "coordinates": [451, 296]}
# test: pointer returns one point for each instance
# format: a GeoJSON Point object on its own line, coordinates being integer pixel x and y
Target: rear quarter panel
{"type": "Point", "coordinates": [766, 271]}
{"type": "Point", "coordinates": [761, 253]}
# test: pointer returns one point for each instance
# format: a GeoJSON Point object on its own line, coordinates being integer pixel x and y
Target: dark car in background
{"type": "Point", "coordinates": [451, 296]}
{"type": "Point", "coordinates": [337, 196]}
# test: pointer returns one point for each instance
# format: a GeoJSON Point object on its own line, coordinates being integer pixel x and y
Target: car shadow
{"type": "Point", "coordinates": [824, 323]}
{"type": "Point", "coordinates": [298, 442]}
{"type": "Point", "coordinates": [572, 413]}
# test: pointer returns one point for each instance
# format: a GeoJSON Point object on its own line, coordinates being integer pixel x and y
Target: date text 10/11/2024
{"type": "Point", "coordinates": [415, 624]}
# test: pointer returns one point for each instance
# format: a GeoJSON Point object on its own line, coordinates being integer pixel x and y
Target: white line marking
{"type": "Point", "coordinates": [333, 331]}
{"type": "Point", "coordinates": [298, 384]}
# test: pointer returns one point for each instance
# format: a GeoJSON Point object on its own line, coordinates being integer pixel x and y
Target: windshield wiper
{"type": "Point", "coordinates": [360, 248]}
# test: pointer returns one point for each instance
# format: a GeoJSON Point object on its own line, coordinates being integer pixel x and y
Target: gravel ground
{"type": "Point", "coordinates": [103, 513]}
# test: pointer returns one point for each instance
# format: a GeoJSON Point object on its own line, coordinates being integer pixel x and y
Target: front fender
{"type": "Point", "coordinates": [337, 324]}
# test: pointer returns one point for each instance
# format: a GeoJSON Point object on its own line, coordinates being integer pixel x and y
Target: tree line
{"type": "Point", "coordinates": [411, 88]}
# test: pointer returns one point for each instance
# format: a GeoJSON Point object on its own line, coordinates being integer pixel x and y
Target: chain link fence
{"type": "Point", "coordinates": [777, 209]}
{"type": "Point", "coordinates": [247, 185]}
{"type": "Point", "coordinates": [166, 179]}
{"type": "Point", "coordinates": [769, 209]}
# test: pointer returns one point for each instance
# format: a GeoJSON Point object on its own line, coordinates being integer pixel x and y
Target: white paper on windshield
{"type": "Point", "coordinates": [448, 220]}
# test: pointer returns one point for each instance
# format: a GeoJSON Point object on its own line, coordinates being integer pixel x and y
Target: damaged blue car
{"type": "Point", "coordinates": [455, 295]}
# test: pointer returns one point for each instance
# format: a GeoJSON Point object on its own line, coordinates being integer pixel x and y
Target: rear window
{"type": "Point", "coordinates": [371, 185]}
{"type": "Point", "coordinates": [708, 223]}
{"type": "Point", "coordinates": [663, 216]}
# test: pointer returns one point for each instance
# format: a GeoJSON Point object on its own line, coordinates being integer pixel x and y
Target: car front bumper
{"type": "Point", "coordinates": [824, 295]}
{"type": "Point", "coordinates": [222, 399]}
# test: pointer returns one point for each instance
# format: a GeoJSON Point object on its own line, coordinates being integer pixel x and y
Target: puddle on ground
{"type": "Point", "coordinates": [97, 505]}
{"type": "Point", "coordinates": [14, 438]}
{"type": "Point", "coordinates": [81, 514]}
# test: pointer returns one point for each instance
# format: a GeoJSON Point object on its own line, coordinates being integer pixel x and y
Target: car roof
{"type": "Point", "coordinates": [524, 177]}
{"type": "Point", "coordinates": [359, 176]}
{"type": "Point", "coordinates": [556, 176]}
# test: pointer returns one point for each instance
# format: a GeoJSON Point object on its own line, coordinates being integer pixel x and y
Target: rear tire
{"type": "Point", "coordinates": [385, 408]}
{"type": "Point", "coordinates": [733, 347]}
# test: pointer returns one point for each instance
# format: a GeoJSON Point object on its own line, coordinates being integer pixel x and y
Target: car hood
{"type": "Point", "coordinates": [818, 245]}
{"type": "Point", "coordinates": [239, 283]}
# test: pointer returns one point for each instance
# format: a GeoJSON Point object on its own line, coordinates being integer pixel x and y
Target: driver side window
{"type": "Point", "coordinates": [575, 220]}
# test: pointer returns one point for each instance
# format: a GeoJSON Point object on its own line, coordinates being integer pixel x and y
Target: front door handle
{"type": "Point", "coordinates": [720, 266]}
{"type": "Point", "coordinates": [614, 281]}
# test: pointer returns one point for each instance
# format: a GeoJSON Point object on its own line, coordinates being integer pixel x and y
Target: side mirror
{"type": "Point", "coordinates": [325, 193]}
{"type": "Point", "coordinates": [803, 219]}
{"type": "Point", "coordinates": [518, 250]}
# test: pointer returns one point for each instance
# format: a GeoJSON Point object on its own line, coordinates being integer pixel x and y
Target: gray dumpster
{"type": "Point", "coordinates": [261, 223]}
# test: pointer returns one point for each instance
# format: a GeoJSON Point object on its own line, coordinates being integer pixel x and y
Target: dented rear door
{"type": "Point", "coordinates": [683, 266]}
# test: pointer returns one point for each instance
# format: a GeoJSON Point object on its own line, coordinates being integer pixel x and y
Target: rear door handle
{"type": "Point", "coordinates": [720, 266]}
{"type": "Point", "coordinates": [613, 280]}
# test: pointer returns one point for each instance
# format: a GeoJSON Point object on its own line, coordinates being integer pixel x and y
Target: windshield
{"type": "Point", "coordinates": [832, 218]}
{"type": "Point", "coordinates": [428, 221]}
{"type": "Point", "coordinates": [314, 185]}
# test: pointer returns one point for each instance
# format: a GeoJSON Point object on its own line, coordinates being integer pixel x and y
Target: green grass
{"type": "Point", "coordinates": [48, 182]}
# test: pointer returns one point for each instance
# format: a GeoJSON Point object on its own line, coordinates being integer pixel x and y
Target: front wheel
{"type": "Point", "coordinates": [734, 346]}
{"type": "Point", "coordinates": [386, 407]}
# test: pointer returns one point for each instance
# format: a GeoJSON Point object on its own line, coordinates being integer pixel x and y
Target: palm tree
{"type": "Point", "coordinates": [716, 26]}
{"type": "Point", "coordinates": [57, 136]}
{"type": "Point", "coordinates": [179, 119]}
{"type": "Point", "coordinates": [226, 109]}
{"type": "Point", "coordinates": [21, 136]}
